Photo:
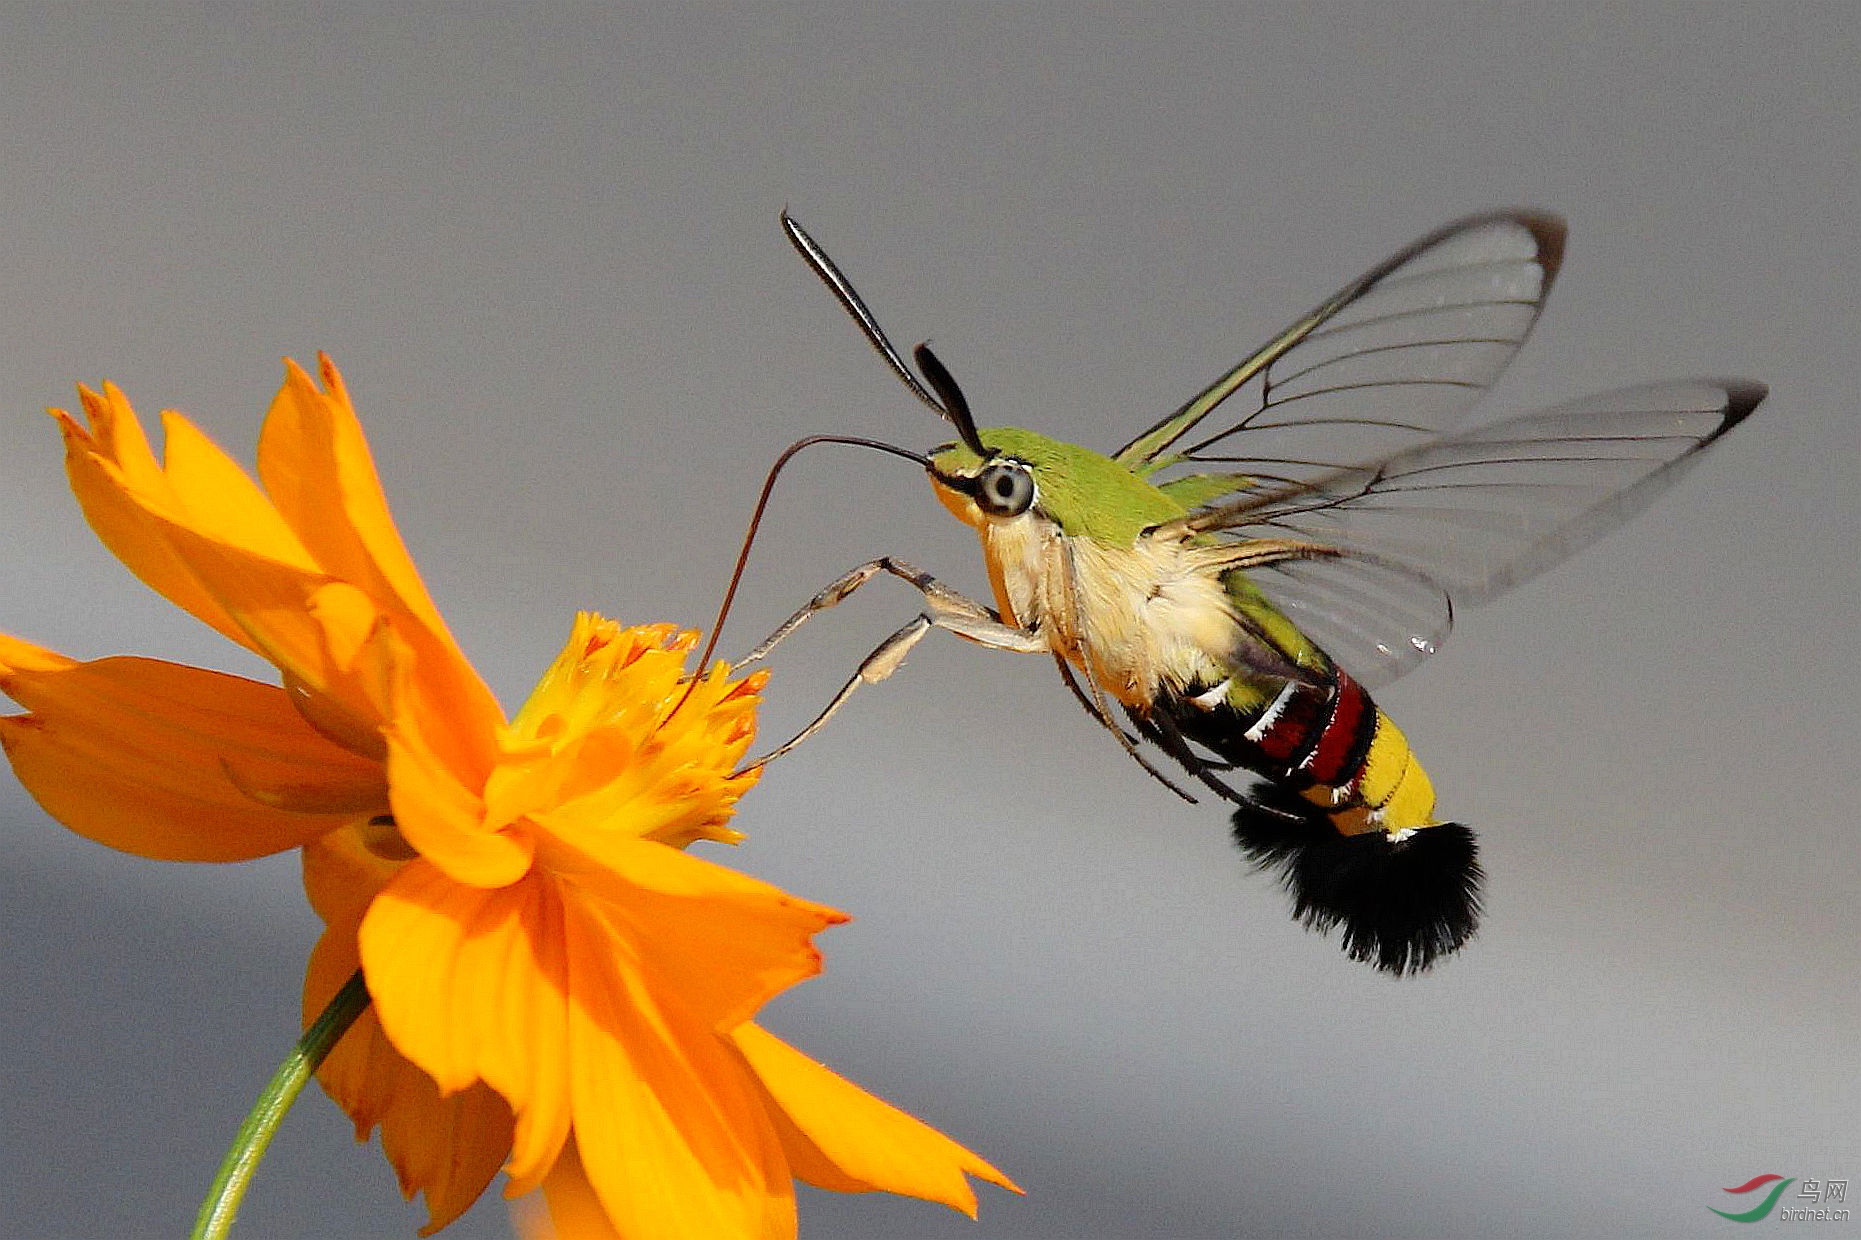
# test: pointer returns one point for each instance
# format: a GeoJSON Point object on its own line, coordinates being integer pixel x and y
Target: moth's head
{"type": "Point", "coordinates": [1020, 476]}
{"type": "Point", "coordinates": [1012, 477]}
{"type": "Point", "coordinates": [979, 488]}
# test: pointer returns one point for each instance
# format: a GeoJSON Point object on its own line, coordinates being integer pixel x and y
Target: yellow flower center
{"type": "Point", "coordinates": [599, 747]}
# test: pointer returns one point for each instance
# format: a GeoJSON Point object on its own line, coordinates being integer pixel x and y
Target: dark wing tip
{"type": "Point", "coordinates": [1551, 232]}
{"type": "Point", "coordinates": [797, 235]}
{"type": "Point", "coordinates": [1741, 397]}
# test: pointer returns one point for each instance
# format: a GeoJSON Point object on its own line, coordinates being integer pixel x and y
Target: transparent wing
{"type": "Point", "coordinates": [1463, 519]}
{"type": "Point", "coordinates": [1389, 361]}
{"type": "Point", "coordinates": [1376, 619]}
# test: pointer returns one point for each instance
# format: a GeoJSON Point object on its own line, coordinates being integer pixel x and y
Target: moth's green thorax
{"type": "Point", "coordinates": [1090, 495]}
{"type": "Point", "coordinates": [1085, 493]}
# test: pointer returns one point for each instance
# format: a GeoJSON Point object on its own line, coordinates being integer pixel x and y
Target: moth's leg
{"type": "Point", "coordinates": [944, 602]}
{"type": "Point", "coordinates": [948, 610]}
{"type": "Point", "coordinates": [1099, 709]}
{"type": "Point", "coordinates": [1163, 730]}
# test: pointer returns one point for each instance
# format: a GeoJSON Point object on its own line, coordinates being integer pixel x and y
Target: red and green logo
{"type": "Point", "coordinates": [1763, 1209]}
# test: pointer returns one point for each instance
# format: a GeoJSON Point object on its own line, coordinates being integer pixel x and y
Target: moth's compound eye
{"type": "Point", "coordinates": [1005, 489]}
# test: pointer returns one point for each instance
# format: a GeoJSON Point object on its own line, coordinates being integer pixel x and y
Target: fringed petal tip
{"type": "Point", "coordinates": [839, 1137]}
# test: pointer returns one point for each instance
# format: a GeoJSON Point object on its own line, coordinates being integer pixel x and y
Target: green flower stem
{"type": "Point", "coordinates": [241, 1162]}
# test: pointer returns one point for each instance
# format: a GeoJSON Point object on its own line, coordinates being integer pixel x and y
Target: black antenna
{"type": "Point", "coordinates": [952, 405]}
{"type": "Point", "coordinates": [955, 404]}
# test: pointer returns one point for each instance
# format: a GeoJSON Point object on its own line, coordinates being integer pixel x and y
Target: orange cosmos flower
{"type": "Point", "coordinates": [558, 988]}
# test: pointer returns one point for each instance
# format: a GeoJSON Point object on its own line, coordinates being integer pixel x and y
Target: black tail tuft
{"type": "Point", "coordinates": [1402, 905]}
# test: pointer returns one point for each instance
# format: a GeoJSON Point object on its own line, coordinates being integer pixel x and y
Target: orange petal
{"type": "Point", "coordinates": [444, 819]}
{"type": "Point", "coordinates": [312, 628]}
{"type": "Point", "coordinates": [472, 985]}
{"type": "Point", "coordinates": [219, 500]}
{"type": "Point", "coordinates": [203, 535]}
{"type": "Point", "coordinates": [136, 754]}
{"type": "Point", "coordinates": [673, 1131]}
{"type": "Point", "coordinates": [458, 715]}
{"type": "Point", "coordinates": [446, 1147]}
{"type": "Point", "coordinates": [20, 658]}
{"type": "Point", "coordinates": [724, 942]}
{"type": "Point", "coordinates": [118, 495]}
{"type": "Point", "coordinates": [342, 876]}
{"type": "Point", "coordinates": [318, 470]}
{"type": "Point", "coordinates": [116, 434]}
{"type": "Point", "coordinates": [530, 989]}
{"type": "Point", "coordinates": [572, 1210]}
{"type": "Point", "coordinates": [840, 1137]}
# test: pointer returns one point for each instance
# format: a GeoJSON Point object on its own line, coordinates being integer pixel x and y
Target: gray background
{"type": "Point", "coordinates": [543, 247]}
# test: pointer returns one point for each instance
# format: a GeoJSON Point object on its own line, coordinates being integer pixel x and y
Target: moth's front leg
{"type": "Point", "coordinates": [945, 609]}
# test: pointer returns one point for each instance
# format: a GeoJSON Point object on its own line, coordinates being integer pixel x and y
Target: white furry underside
{"type": "Point", "coordinates": [1134, 618]}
